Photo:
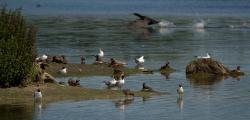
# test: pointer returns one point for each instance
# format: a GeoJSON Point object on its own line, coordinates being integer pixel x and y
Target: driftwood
{"type": "Point", "coordinates": [207, 66]}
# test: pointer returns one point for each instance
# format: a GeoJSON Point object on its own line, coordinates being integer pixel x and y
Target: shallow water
{"type": "Point", "coordinates": [63, 28]}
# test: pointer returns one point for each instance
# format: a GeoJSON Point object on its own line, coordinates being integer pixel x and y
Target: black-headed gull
{"type": "Point", "coordinates": [63, 70]}
{"type": "Point", "coordinates": [38, 94]}
{"type": "Point", "coordinates": [111, 83]}
{"type": "Point", "coordinates": [101, 53]}
{"type": "Point", "coordinates": [180, 90]}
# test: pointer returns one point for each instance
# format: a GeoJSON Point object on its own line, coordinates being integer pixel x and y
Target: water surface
{"type": "Point", "coordinates": [75, 28]}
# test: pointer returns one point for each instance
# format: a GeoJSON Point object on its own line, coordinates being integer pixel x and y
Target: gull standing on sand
{"type": "Point", "coordinates": [63, 70]}
{"type": "Point", "coordinates": [101, 53]}
{"type": "Point", "coordinates": [42, 58]}
{"type": "Point", "coordinates": [38, 94]}
{"type": "Point", "coordinates": [140, 60]}
{"type": "Point", "coordinates": [204, 57]}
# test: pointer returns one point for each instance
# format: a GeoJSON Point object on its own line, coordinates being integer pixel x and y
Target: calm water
{"type": "Point", "coordinates": [82, 27]}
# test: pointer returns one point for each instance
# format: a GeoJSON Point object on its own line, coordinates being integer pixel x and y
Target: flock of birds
{"type": "Point", "coordinates": [119, 82]}
{"type": "Point", "coordinates": [115, 82]}
{"type": "Point", "coordinates": [139, 61]}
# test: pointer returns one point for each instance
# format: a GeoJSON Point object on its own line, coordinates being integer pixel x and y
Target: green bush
{"type": "Point", "coordinates": [17, 48]}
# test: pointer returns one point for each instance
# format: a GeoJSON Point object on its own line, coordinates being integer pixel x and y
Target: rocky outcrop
{"type": "Point", "coordinates": [207, 66]}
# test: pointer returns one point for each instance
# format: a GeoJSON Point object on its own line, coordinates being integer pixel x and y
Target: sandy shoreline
{"type": "Point", "coordinates": [55, 92]}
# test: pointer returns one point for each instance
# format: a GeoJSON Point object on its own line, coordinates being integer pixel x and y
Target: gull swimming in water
{"type": "Point", "coordinates": [204, 57]}
{"type": "Point", "coordinates": [180, 90]}
{"type": "Point", "coordinates": [200, 25]}
{"type": "Point", "coordinates": [111, 83]}
{"type": "Point", "coordinates": [140, 60]}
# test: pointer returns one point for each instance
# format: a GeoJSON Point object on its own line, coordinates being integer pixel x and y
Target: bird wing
{"type": "Point", "coordinates": [140, 16]}
{"type": "Point", "coordinates": [151, 21]}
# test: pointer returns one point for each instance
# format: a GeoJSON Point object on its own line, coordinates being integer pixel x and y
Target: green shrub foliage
{"type": "Point", "coordinates": [17, 48]}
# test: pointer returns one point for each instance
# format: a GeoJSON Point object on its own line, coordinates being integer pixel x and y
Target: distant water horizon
{"type": "Point", "coordinates": [117, 7]}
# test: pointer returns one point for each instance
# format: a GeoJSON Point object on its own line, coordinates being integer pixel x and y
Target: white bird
{"type": "Point", "coordinates": [63, 70]}
{"type": "Point", "coordinates": [44, 57]}
{"type": "Point", "coordinates": [140, 60]}
{"type": "Point", "coordinates": [38, 94]}
{"type": "Point", "coordinates": [180, 90]}
{"type": "Point", "coordinates": [101, 53]}
{"type": "Point", "coordinates": [111, 83]}
{"type": "Point", "coordinates": [164, 24]}
{"type": "Point", "coordinates": [200, 25]}
{"type": "Point", "coordinates": [121, 81]}
{"type": "Point", "coordinates": [204, 57]}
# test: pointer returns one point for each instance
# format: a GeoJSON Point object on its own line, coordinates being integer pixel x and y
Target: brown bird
{"type": "Point", "coordinates": [83, 60]}
{"type": "Point", "coordinates": [128, 92]}
{"type": "Point", "coordinates": [147, 19]}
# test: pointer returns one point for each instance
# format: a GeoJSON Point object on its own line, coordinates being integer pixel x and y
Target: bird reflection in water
{"type": "Point", "coordinates": [166, 75]}
{"type": "Point", "coordinates": [207, 80]}
{"type": "Point", "coordinates": [179, 102]}
{"type": "Point", "coordinates": [38, 107]}
{"type": "Point", "coordinates": [123, 102]}
{"type": "Point", "coordinates": [145, 98]}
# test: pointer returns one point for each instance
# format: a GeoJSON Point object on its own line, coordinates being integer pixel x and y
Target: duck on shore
{"type": "Point", "coordinates": [116, 64]}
